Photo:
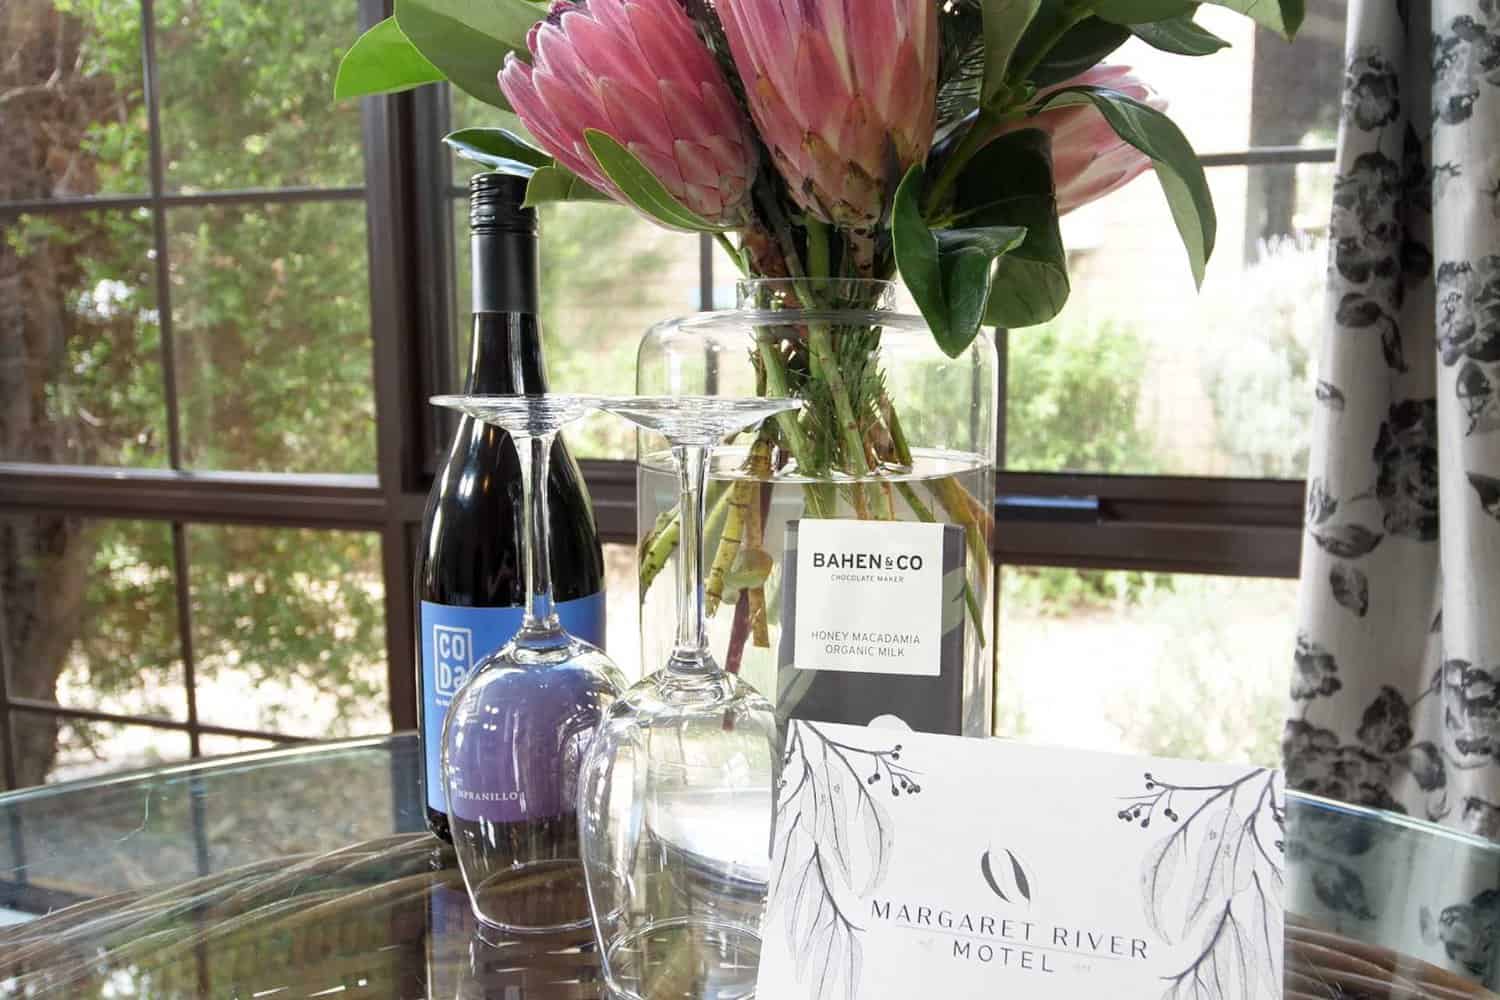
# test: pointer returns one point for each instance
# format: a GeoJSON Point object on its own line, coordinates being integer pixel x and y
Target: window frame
{"type": "Point", "coordinates": [1211, 525]}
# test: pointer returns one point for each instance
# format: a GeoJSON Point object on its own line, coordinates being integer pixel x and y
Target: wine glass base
{"type": "Point", "coordinates": [684, 958]}
{"type": "Point", "coordinates": [526, 900]}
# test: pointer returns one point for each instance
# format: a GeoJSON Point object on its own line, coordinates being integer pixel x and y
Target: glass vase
{"type": "Point", "coordinates": [892, 429]}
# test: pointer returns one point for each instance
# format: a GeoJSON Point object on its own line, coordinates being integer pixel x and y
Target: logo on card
{"type": "Point", "coordinates": [866, 560]}
{"type": "Point", "coordinates": [1010, 875]}
{"type": "Point", "coordinates": [453, 650]}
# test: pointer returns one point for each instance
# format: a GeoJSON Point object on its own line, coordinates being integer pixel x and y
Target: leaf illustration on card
{"type": "Point", "coordinates": [1223, 969]}
{"type": "Point", "coordinates": [1267, 929]}
{"type": "Point", "coordinates": [1157, 875]}
{"type": "Point", "coordinates": [1350, 587]}
{"type": "Point", "coordinates": [879, 839]}
{"type": "Point", "coordinates": [809, 920]}
{"type": "Point", "coordinates": [835, 830]}
{"type": "Point", "coordinates": [1347, 541]}
{"type": "Point", "coordinates": [1233, 834]}
{"type": "Point", "coordinates": [824, 842]}
{"type": "Point", "coordinates": [1215, 857]}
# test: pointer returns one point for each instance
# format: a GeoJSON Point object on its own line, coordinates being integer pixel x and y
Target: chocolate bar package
{"type": "Point", "coordinates": [872, 626]}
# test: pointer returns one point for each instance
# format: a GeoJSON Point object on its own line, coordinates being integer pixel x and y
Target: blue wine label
{"type": "Point", "coordinates": [455, 639]}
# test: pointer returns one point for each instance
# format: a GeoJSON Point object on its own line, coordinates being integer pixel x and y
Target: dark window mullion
{"type": "Point", "coordinates": [198, 199]}
{"type": "Point", "coordinates": [7, 745]}
{"type": "Point", "coordinates": [180, 566]}
{"type": "Point", "coordinates": [705, 271]}
{"type": "Point", "coordinates": [182, 582]}
{"type": "Point", "coordinates": [1270, 156]}
{"type": "Point", "coordinates": [32, 706]}
{"type": "Point", "coordinates": [159, 230]}
{"type": "Point", "coordinates": [410, 275]}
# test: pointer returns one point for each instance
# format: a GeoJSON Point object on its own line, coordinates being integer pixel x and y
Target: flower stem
{"type": "Point", "coordinates": [658, 546]}
{"type": "Point", "coordinates": [820, 346]}
{"type": "Point", "coordinates": [776, 382]}
{"type": "Point", "coordinates": [979, 134]}
{"type": "Point", "coordinates": [924, 513]}
{"type": "Point", "coordinates": [733, 252]}
{"type": "Point", "coordinates": [988, 118]}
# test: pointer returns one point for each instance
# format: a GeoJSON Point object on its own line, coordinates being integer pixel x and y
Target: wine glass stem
{"type": "Point", "coordinates": [692, 469]}
{"type": "Point", "coordinates": [535, 453]}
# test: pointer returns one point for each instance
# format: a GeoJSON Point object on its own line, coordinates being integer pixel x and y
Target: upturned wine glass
{"type": "Point", "coordinates": [675, 793]}
{"type": "Point", "coordinates": [516, 732]}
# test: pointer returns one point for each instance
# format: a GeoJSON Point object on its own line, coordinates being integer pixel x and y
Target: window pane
{"type": "Point", "coordinates": [90, 622]}
{"type": "Point", "coordinates": [247, 94]}
{"type": "Point", "coordinates": [83, 748]}
{"type": "Point", "coordinates": [271, 313]}
{"type": "Point", "coordinates": [289, 630]}
{"type": "Point", "coordinates": [1262, 91]}
{"type": "Point", "coordinates": [607, 274]}
{"type": "Point", "coordinates": [1177, 665]}
{"type": "Point", "coordinates": [214, 745]}
{"type": "Point", "coordinates": [83, 384]}
{"type": "Point", "coordinates": [75, 118]}
{"type": "Point", "coordinates": [1143, 374]}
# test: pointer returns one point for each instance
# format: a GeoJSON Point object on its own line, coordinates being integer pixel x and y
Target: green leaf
{"type": "Point", "coordinates": [1005, 24]}
{"type": "Point", "coordinates": [556, 183]}
{"type": "Point", "coordinates": [1177, 166]}
{"type": "Point", "coordinates": [469, 39]}
{"type": "Point", "coordinates": [947, 271]}
{"type": "Point", "coordinates": [642, 187]}
{"type": "Point", "coordinates": [498, 149]}
{"type": "Point", "coordinates": [1082, 47]}
{"type": "Point", "coordinates": [1180, 36]}
{"type": "Point", "coordinates": [383, 61]}
{"type": "Point", "coordinates": [1282, 16]}
{"type": "Point", "coordinates": [1009, 183]}
{"type": "Point", "coordinates": [1141, 11]}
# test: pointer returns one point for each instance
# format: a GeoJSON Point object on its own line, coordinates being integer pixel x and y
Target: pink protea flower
{"type": "Point", "coordinates": [843, 93]}
{"type": "Point", "coordinates": [1088, 159]}
{"type": "Point", "coordinates": [637, 71]}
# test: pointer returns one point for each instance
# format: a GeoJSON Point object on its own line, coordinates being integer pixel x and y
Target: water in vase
{"type": "Point", "coordinates": [933, 488]}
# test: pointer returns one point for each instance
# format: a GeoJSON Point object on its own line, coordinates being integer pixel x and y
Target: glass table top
{"type": "Point", "coordinates": [306, 872]}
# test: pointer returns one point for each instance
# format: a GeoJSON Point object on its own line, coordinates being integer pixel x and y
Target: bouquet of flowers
{"type": "Point", "coordinates": [824, 139]}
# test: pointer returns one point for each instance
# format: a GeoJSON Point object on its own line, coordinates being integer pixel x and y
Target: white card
{"type": "Point", "coordinates": [869, 597]}
{"type": "Point", "coordinates": [1000, 869]}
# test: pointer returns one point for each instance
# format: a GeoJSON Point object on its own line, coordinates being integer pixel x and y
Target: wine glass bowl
{"type": "Point", "coordinates": [695, 420]}
{"type": "Point", "coordinates": [517, 730]}
{"type": "Point", "coordinates": [523, 415]}
{"type": "Point", "coordinates": [675, 792]}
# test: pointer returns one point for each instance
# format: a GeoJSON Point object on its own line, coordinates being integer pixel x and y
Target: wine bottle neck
{"type": "Point", "coordinates": [506, 358]}
{"type": "Point", "coordinates": [504, 269]}
{"type": "Point", "coordinates": [507, 349]}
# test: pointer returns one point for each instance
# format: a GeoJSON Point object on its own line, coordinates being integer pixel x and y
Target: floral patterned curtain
{"type": "Point", "coordinates": [1396, 689]}
{"type": "Point", "coordinates": [1396, 686]}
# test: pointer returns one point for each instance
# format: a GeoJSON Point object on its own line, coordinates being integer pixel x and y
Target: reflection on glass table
{"type": "Point", "coordinates": [305, 872]}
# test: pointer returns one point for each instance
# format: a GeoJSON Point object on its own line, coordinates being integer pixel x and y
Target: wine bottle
{"type": "Point", "coordinates": [470, 583]}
